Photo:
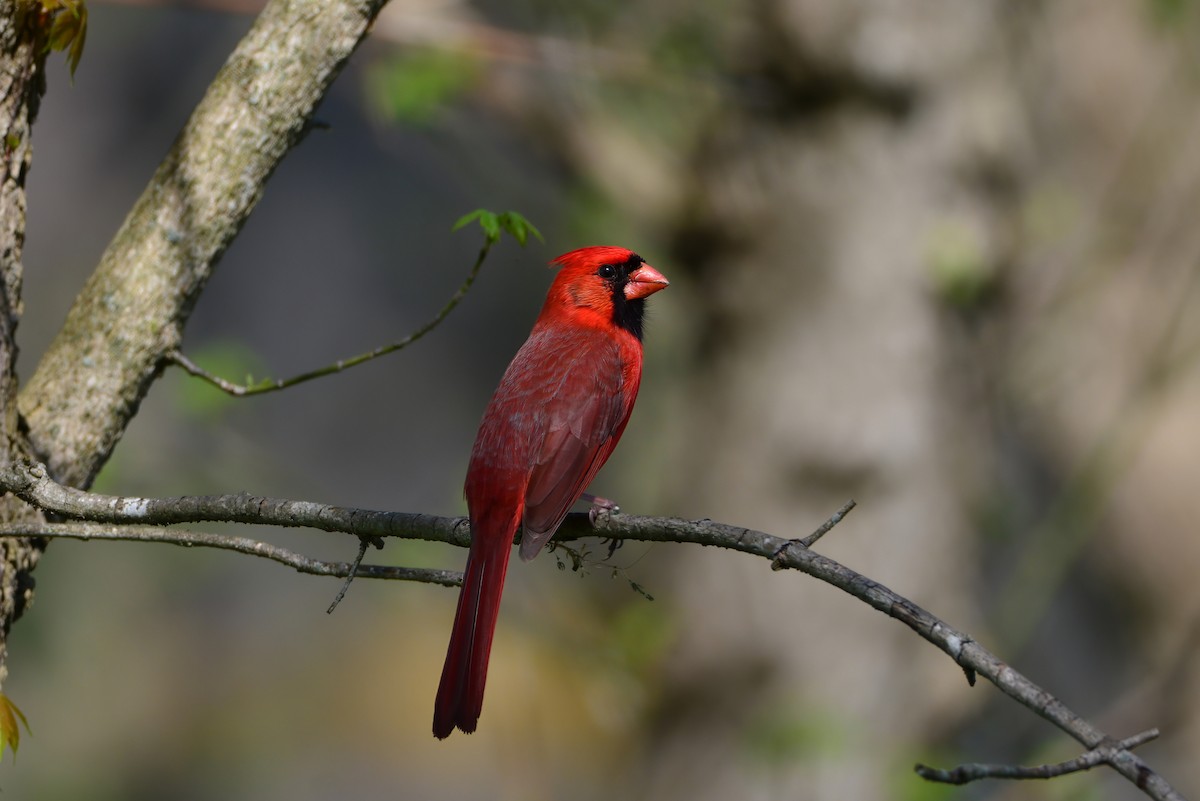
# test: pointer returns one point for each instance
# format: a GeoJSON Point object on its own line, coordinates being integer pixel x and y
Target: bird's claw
{"type": "Point", "coordinates": [595, 512]}
{"type": "Point", "coordinates": [605, 507]}
{"type": "Point", "coordinates": [600, 506]}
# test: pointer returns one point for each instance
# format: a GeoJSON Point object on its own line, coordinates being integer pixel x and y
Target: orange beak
{"type": "Point", "coordinates": [643, 281]}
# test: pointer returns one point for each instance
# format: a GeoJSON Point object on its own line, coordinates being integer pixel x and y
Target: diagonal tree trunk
{"type": "Point", "coordinates": [132, 310]}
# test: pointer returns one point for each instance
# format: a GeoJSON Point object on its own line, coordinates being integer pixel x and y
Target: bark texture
{"type": "Point", "coordinates": [21, 85]}
{"type": "Point", "coordinates": [96, 372]}
{"type": "Point", "coordinates": [133, 309]}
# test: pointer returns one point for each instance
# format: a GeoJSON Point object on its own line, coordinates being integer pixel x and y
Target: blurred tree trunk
{"type": "Point", "coordinates": [944, 260]}
{"type": "Point", "coordinates": [847, 211]}
{"type": "Point", "coordinates": [873, 203]}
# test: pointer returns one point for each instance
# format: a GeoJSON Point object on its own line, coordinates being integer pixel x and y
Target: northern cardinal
{"type": "Point", "coordinates": [551, 424]}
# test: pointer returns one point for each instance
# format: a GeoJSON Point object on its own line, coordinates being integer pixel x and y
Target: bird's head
{"type": "Point", "coordinates": [608, 282]}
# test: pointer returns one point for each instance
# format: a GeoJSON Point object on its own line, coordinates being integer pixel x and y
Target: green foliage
{"type": "Point", "coordinates": [783, 734]}
{"type": "Point", "coordinates": [962, 275]}
{"type": "Point", "coordinates": [494, 224]}
{"type": "Point", "coordinates": [10, 730]}
{"type": "Point", "coordinates": [1170, 13]}
{"type": "Point", "coordinates": [415, 86]}
{"type": "Point", "coordinates": [61, 24]}
{"type": "Point", "coordinates": [642, 633]}
{"type": "Point", "coordinates": [689, 43]}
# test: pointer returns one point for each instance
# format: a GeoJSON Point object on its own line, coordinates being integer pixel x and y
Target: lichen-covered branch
{"type": "Point", "coordinates": [21, 85]}
{"type": "Point", "coordinates": [31, 483]}
{"type": "Point", "coordinates": [132, 310]}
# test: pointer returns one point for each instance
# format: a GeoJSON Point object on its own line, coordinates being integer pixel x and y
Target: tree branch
{"type": "Point", "coordinates": [132, 310]}
{"type": "Point", "coordinates": [200, 539]}
{"type": "Point", "coordinates": [274, 384]}
{"type": "Point", "coordinates": [811, 539]}
{"type": "Point", "coordinates": [355, 566]}
{"type": "Point", "coordinates": [32, 484]}
{"type": "Point", "coordinates": [974, 771]}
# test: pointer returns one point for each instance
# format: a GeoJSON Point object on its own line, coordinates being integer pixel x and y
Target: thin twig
{"type": "Point", "coordinates": [811, 539]}
{"type": "Point", "coordinates": [974, 771]}
{"type": "Point", "coordinates": [828, 525]}
{"type": "Point", "coordinates": [83, 530]}
{"type": "Point", "coordinates": [363, 542]}
{"type": "Point", "coordinates": [31, 484]}
{"type": "Point", "coordinates": [273, 384]}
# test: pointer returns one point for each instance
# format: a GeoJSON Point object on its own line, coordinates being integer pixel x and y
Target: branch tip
{"type": "Point", "coordinates": [1107, 753]}
{"type": "Point", "coordinates": [363, 542]}
{"type": "Point", "coordinates": [807, 542]}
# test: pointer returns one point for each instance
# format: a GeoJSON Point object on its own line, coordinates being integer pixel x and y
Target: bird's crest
{"type": "Point", "coordinates": [594, 256]}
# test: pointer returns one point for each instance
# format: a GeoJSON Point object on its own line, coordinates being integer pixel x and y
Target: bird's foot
{"type": "Point", "coordinates": [605, 507]}
{"type": "Point", "coordinates": [600, 506]}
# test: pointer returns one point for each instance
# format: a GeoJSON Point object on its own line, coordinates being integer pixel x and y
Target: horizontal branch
{"type": "Point", "coordinates": [32, 484]}
{"type": "Point", "coordinates": [245, 545]}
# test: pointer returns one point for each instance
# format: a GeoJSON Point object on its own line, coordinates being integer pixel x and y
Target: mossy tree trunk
{"type": "Point", "coordinates": [132, 311]}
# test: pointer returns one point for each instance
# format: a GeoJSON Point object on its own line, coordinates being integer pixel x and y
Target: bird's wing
{"type": "Point", "coordinates": [585, 417]}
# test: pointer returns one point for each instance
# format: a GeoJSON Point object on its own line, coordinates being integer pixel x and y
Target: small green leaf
{"type": "Point", "coordinates": [515, 223]}
{"type": "Point", "coordinates": [466, 219]}
{"type": "Point", "coordinates": [490, 225]}
{"type": "Point", "coordinates": [488, 221]}
{"type": "Point", "coordinates": [68, 28]}
{"type": "Point", "coordinates": [76, 51]}
{"type": "Point", "coordinates": [493, 224]}
{"type": "Point", "coordinates": [10, 731]}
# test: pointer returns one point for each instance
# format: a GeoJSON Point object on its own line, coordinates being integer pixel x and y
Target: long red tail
{"type": "Point", "coordinates": [460, 694]}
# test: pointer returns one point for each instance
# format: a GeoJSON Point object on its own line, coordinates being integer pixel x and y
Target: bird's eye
{"type": "Point", "coordinates": [607, 271]}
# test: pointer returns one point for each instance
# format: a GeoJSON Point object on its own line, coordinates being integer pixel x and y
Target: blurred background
{"type": "Point", "coordinates": [938, 257]}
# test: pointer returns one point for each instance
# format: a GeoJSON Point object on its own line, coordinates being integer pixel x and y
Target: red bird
{"type": "Point", "coordinates": [552, 423]}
